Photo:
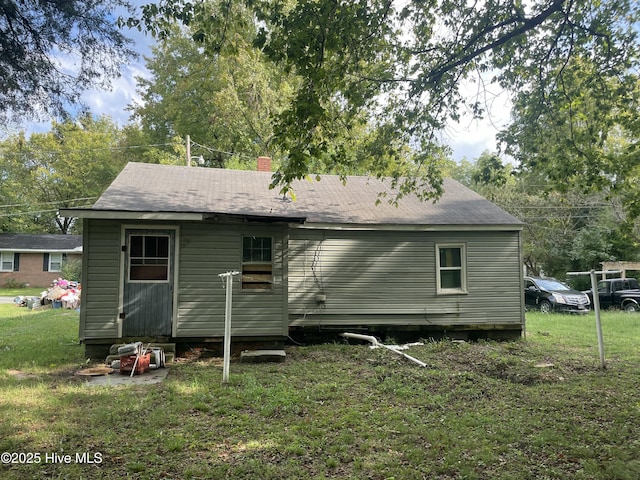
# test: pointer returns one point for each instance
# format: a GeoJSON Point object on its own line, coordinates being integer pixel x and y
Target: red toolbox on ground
{"type": "Point", "coordinates": [127, 362]}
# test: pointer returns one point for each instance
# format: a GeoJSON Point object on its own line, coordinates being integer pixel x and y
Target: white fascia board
{"type": "Point", "coordinates": [42, 250]}
{"type": "Point", "coordinates": [121, 215]}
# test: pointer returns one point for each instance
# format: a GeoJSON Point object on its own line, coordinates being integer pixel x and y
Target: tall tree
{"type": "Point", "coordinates": [582, 131]}
{"type": "Point", "coordinates": [223, 101]}
{"type": "Point", "coordinates": [569, 230]}
{"type": "Point", "coordinates": [228, 99]}
{"type": "Point", "coordinates": [52, 51]}
{"type": "Point", "coordinates": [69, 166]}
{"type": "Point", "coordinates": [403, 64]}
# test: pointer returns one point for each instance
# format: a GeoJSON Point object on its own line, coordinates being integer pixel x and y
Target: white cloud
{"type": "Point", "coordinates": [122, 94]}
{"type": "Point", "coordinates": [470, 137]}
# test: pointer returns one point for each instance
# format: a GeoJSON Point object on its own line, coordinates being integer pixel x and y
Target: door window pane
{"type": "Point", "coordinates": [149, 258]}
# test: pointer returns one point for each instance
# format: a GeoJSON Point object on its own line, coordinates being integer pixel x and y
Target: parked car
{"type": "Point", "coordinates": [551, 295]}
{"type": "Point", "coordinates": [622, 293]}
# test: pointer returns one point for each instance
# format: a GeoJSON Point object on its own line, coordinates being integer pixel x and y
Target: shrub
{"type": "Point", "coordinates": [12, 283]}
{"type": "Point", "coordinates": [72, 270]}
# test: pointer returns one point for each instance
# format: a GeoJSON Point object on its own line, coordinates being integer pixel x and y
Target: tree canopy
{"type": "Point", "coordinates": [52, 51]}
{"type": "Point", "coordinates": [563, 231]}
{"type": "Point", "coordinates": [223, 101]}
{"type": "Point", "coordinates": [406, 67]}
{"type": "Point", "coordinates": [582, 131]}
{"type": "Point", "coordinates": [69, 166]}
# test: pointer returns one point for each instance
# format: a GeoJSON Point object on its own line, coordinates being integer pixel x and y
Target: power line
{"type": "Point", "coordinates": [35, 212]}
{"type": "Point", "coordinates": [65, 150]}
{"type": "Point", "coordinates": [48, 203]}
{"type": "Point", "coordinates": [213, 150]}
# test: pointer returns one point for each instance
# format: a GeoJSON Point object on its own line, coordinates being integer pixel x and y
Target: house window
{"type": "Point", "coordinates": [257, 264]}
{"type": "Point", "coordinates": [451, 268]}
{"type": "Point", "coordinates": [6, 261]}
{"type": "Point", "coordinates": [55, 262]}
{"type": "Point", "coordinates": [149, 258]}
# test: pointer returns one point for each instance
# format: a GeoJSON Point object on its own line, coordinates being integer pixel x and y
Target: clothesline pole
{"type": "Point", "coordinates": [228, 278]}
{"type": "Point", "coordinates": [596, 308]}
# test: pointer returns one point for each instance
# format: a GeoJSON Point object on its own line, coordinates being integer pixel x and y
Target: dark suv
{"type": "Point", "coordinates": [551, 295]}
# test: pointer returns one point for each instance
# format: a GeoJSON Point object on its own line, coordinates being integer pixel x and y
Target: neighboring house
{"type": "Point", "coordinates": [36, 260]}
{"type": "Point", "coordinates": [332, 260]}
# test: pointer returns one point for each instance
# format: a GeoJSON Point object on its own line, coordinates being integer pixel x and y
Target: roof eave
{"type": "Point", "coordinates": [129, 215]}
{"type": "Point", "coordinates": [76, 250]}
{"type": "Point", "coordinates": [175, 216]}
{"type": "Point", "coordinates": [412, 227]}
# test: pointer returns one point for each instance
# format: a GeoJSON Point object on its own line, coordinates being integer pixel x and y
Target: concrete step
{"type": "Point", "coordinates": [256, 356]}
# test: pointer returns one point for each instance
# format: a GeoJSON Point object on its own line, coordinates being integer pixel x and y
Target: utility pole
{"type": "Point", "coordinates": [188, 141]}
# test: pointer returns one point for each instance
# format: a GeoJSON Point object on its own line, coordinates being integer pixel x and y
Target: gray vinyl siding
{"type": "Point", "coordinates": [368, 277]}
{"type": "Point", "coordinates": [389, 278]}
{"type": "Point", "coordinates": [205, 252]}
{"type": "Point", "coordinates": [100, 280]}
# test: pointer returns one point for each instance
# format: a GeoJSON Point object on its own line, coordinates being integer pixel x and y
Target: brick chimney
{"type": "Point", "coordinates": [264, 164]}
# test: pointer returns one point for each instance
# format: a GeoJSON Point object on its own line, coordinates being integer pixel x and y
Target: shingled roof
{"type": "Point", "coordinates": [25, 242]}
{"type": "Point", "coordinates": [148, 188]}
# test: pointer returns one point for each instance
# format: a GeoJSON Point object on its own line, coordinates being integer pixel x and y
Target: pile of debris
{"type": "Point", "coordinates": [61, 294]}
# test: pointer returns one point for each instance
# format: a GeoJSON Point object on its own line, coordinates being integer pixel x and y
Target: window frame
{"type": "Point", "coordinates": [51, 262]}
{"type": "Point", "coordinates": [143, 257]}
{"type": "Point", "coordinates": [463, 288]}
{"type": "Point", "coordinates": [7, 257]}
{"type": "Point", "coordinates": [268, 285]}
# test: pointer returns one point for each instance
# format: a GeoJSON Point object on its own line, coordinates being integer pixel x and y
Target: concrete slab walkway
{"type": "Point", "coordinates": [116, 379]}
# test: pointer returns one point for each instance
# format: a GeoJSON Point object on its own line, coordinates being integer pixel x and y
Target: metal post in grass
{"type": "Point", "coordinates": [228, 285]}
{"type": "Point", "coordinates": [596, 307]}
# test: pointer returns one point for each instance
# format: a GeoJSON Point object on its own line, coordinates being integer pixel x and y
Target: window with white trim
{"type": "Point", "coordinates": [55, 262]}
{"type": "Point", "coordinates": [6, 261]}
{"type": "Point", "coordinates": [257, 263]}
{"type": "Point", "coordinates": [451, 268]}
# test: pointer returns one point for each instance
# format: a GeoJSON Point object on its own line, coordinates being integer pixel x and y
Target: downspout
{"type": "Point", "coordinates": [374, 342]}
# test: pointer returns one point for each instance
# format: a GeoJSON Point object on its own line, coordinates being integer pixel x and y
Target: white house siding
{"type": "Point", "coordinates": [101, 279]}
{"type": "Point", "coordinates": [389, 278]}
{"type": "Point", "coordinates": [206, 250]}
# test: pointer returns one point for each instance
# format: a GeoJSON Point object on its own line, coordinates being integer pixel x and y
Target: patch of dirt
{"type": "Point", "coordinates": [20, 375]}
{"type": "Point", "coordinates": [199, 354]}
{"type": "Point", "coordinates": [512, 362]}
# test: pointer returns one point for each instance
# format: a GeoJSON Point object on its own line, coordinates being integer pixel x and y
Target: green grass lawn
{"type": "Point", "coordinates": [23, 292]}
{"type": "Point", "coordinates": [535, 409]}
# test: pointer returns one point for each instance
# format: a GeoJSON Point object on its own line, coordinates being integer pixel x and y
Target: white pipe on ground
{"type": "Point", "coordinates": [374, 341]}
{"type": "Point", "coordinates": [367, 338]}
